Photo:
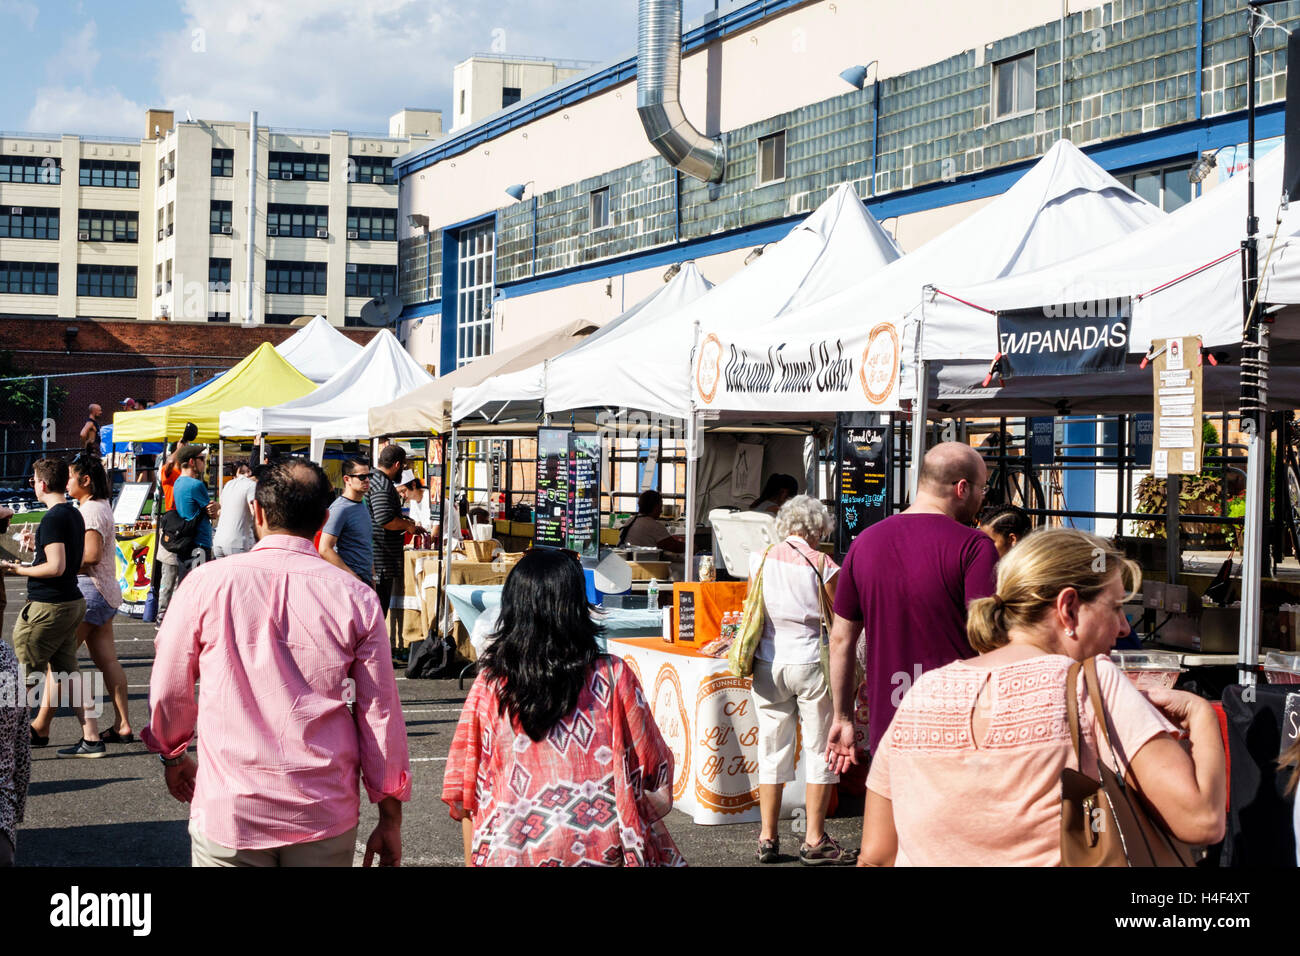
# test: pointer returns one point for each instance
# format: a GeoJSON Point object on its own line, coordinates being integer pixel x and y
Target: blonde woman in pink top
{"type": "Point", "coordinates": [969, 771]}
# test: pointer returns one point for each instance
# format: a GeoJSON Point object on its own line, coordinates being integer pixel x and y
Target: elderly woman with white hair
{"type": "Point", "coordinates": [789, 683]}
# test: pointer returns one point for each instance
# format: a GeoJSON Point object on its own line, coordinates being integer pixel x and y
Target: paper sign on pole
{"type": "Point", "coordinates": [1178, 387]}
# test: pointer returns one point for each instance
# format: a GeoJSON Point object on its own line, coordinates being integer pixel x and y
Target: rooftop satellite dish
{"type": "Point", "coordinates": [381, 310]}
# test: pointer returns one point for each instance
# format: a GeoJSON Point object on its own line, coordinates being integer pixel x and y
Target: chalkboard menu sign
{"type": "Point", "coordinates": [583, 533]}
{"type": "Point", "coordinates": [551, 518]}
{"type": "Point", "coordinates": [864, 455]}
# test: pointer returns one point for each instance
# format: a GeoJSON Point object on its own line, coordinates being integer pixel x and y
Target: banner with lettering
{"type": "Point", "coordinates": [812, 374]}
{"type": "Point", "coordinates": [1076, 338]}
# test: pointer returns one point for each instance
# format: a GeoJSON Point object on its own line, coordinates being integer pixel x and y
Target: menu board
{"type": "Point", "coordinates": [551, 524]}
{"type": "Point", "coordinates": [1177, 441]}
{"type": "Point", "coordinates": [583, 526]}
{"type": "Point", "coordinates": [863, 490]}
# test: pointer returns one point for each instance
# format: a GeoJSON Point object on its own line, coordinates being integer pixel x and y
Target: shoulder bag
{"type": "Point", "coordinates": [1105, 823]}
{"type": "Point", "coordinates": [824, 608]}
{"type": "Point", "coordinates": [740, 658]}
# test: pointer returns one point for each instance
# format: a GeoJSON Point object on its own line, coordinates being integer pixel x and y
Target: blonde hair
{"type": "Point", "coordinates": [1035, 572]}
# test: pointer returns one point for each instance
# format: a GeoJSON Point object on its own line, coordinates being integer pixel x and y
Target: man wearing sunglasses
{"type": "Point", "coordinates": [347, 539]}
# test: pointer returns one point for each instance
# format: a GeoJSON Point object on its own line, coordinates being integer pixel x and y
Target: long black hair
{"type": "Point", "coordinates": [545, 642]}
{"type": "Point", "coordinates": [90, 466]}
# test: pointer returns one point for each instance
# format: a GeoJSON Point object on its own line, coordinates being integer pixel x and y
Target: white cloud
{"type": "Point", "coordinates": [24, 13]}
{"type": "Point", "coordinates": [339, 64]}
{"type": "Point", "coordinates": [77, 57]}
{"type": "Point", "coordinates": [62, 109]}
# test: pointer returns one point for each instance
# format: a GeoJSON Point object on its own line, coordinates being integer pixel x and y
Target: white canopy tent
{"type": "Point", "coordinates": [381, 372]}
{"type": "Point", "coordinates": [318, 349]}
{"type": "Point", "coordinates": [1063, 205]}
{"type": "Point", "coordinates": [645, 366]}
{"type": "Point", "coordinates": [518, 394]}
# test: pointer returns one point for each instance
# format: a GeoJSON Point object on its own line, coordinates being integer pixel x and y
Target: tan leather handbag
{"type": "Point", "coordinates": [1106, 823]}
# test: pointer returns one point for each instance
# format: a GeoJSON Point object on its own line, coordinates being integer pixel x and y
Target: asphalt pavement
{"type": "Point", "coordinates": [116, 811]}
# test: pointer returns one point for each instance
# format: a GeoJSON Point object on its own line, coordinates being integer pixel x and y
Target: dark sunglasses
{"type": "Point", "coordinates": [365, 477]}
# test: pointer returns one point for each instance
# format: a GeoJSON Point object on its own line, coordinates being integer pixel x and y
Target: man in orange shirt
{"type": "Point", "coordinates": [167, 581]}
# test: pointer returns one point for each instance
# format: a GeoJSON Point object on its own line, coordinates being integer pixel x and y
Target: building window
{"type": "Point", "coordinates": [353, 322]}
{"type": "Point", "coordinates": [108, 225]}
{"type": "Point", "coordinates": [461, 111]}
{"type": "Point", "coordinates": [771, 158]}
{"type": "Point", "coordinates": [109, 172]}
{"type": "Point", "coordinates": [280, 318]}
{"type": "Point", "coordinates": [474, 293]}
{"type": "Point", "coordinates": [373, 224]}
{"type": "Point", "coordinates": [29, 222]}
{"type": "Point", "coordinates": [218, 275]}
{"type": "Point", "coordinates": [223, 162]}
{"type": "Point", "coordinates": [218, 316]}
{"type": "Point", "coordinates": [302, 222]}
{"type": "Point", "coordinates": [109, 282]}
{"type": "Point", "coordinates": [295, 278]}
{"type": "Point", "coordinates": [310, 166]}
{"type": "Point", "coordinates": [219, 218]}
{"type": "Point", "coordinates": [372, 169]}
{"type": "Point", "coordinates": [510, 95]}
{"type": "Point", "coordinates": [600, 208]}
{"type": "Point", "coordinates": [29, 278]}
{"type": "Point", "coordinates": [1166, 186]}
{"type": "Point", "coordinates": [370, 280]}
{"type": "Point", "coordinates": [1013, 86]}
{"type": "Point", "coordinates": [30, 169]}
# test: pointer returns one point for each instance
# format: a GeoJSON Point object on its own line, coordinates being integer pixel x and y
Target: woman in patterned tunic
{"type": "Point", "coordinates": [557, 760]}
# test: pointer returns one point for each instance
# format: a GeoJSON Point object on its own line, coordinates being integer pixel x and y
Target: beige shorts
{"type": "Point", "coordinates": [332, 851]}
{"type": "Point", "coordinates": [45, 635]}
{"type": "Point", "coordinates": [790, 696]}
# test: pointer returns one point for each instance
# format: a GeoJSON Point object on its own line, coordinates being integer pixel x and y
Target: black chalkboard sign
{"type": "Point", "coordinates": [863, 494]}
{"type": "Point", "coordinates": [551, 524]}
{"type": "Point", "coordinates": [583, 532]}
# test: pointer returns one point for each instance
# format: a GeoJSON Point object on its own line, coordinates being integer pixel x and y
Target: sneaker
{"type": "Point", "coordinates": [37, 740]}
{"type": "Point", "coordinates": [826, 852]}
{"type": "Point", "coordinates": [769, 851]}
{"type": "Point", "coordinates": [85, 748]}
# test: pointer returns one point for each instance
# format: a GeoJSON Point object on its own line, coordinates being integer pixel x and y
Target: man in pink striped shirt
{"type": "Point", "coordinates": [296, 696]}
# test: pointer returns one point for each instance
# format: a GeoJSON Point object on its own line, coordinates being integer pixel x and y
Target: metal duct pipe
{"type": "Point", "coordinates": [658, 101]}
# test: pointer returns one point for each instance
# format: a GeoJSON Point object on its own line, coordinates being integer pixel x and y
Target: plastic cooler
{"type": "Point", "coordinates": [740, 534]}
{"type": "Point", "coordinates": [1149, 669]}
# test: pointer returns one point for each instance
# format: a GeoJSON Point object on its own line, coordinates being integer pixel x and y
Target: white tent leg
{"type": "Point", "coordinates": [692, 456]}
{"type": "Point", "coordinates": [453, 514]}
{"type": "Point", "coordinates": [920, 408]}
{"type": "Point", "coordinates": [1248, 641]}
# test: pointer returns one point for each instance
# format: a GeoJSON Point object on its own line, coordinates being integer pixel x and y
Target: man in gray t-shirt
{"type": "Point", "coordinates": [347, 540]}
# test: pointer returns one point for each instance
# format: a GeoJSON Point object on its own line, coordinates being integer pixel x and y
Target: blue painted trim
{"type": "Point", "coordinates": [422, 310]}
{"type": "Point", "coordinates": [1200, 54]}
{"type": "Point", "coordinates": [662, 256]}
{"type": "Point", "coordinates": [451, 286]}
{"type": "Point", "coordinates": [589, 84]}
{"type": "Point", "coordinates": [1080, 485]}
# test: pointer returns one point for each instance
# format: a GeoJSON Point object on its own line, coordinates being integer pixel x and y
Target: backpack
{"type": "Point", "coordinates": [178, 535]}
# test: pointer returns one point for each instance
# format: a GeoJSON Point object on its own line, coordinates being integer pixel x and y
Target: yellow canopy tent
{"type": "Point", "coordinates": [262, 378]}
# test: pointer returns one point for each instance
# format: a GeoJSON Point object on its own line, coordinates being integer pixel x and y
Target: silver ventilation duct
{"type": "Point", "coordinates": [658, 101]}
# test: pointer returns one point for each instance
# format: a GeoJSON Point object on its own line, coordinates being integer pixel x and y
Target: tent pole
{"type": "Point", "coordinates": [449, 458]}
{"type": "Point", "coordinates": [692, 456]}
{"type": "Point", "coordinates": [920, 408]}
{"type": "Point", "coordinates": [1251, 555]}
{"type": "Point", "coordinates": [221, 463]}
{"type": "Point", "coordinates": [444, 550]}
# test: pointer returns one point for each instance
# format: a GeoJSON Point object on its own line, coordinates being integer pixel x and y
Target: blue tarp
{"type": "Point", "coordinates": [106, 445]}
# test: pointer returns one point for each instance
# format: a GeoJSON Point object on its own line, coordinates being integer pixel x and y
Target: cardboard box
{"type": "Point", "coordinates": [698, 608]}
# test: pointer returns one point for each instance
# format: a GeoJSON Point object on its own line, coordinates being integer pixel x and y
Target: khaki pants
{"type": "Point", "coordinates": [332, 851]}
{"type": "Point", "coordinates": [45, 635]}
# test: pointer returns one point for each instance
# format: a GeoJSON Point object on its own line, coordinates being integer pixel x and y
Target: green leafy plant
{"type": "Point", "coordinates": [21, 395]}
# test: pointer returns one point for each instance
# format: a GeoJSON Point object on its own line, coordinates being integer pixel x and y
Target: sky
{"type": "Point", "coordinates": [95, 66]}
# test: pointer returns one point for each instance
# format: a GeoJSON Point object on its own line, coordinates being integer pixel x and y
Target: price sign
{"type": "Point", "coordinates": [863, 492]}
{"type": "Point", "coordinates": [583, 534]}
{"type": "Point", "coordinates": [551, 519]}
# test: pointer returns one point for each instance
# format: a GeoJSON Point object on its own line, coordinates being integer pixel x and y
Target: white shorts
{"type": "Point", "coordinates": [784, 693]}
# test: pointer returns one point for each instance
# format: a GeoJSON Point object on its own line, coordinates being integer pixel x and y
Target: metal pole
{"type": "Point", "coordinates": [45, 410]}
{"type": "Point", "coordinates": [920, 406]}
{"type": "Point", "coordinates": [1173, 533]}
{"type": "Point", "coordinates": [691, 456]}
{"type": "Point", "coordinates": [251, 238]}
{"type": "Point", "coordinates": [449, 458]}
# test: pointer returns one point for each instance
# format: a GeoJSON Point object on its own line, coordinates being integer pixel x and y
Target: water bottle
{"type": "Point", "coordinates": [652, 594]}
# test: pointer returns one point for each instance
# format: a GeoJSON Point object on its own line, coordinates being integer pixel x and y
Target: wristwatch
{"type": "Point", "coordinates": [172, 761]}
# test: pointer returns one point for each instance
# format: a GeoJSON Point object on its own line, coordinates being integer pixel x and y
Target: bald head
{"type": "Point", "coordinates": [95, 411]}
{"type": "Point", "coordinates": [953, 474]}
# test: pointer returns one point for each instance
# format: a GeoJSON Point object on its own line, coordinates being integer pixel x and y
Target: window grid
{"type": "Point", "coordinates": [367, 168]}
{"type": "Point", "coordinates": [373, 224]}
{"type": "Point", "coordinates": [113, 173]}
{"type": "Point", "coordinates": [218, 275]}
{"type": "Point", "coordinates": [510, 95]}
{"type": "Point", "coordinates": [30, 169]}
{"type": "Point", "coordinates": [223, 162]}
{"type": "Point", "coordinates": [299, 221]}
{"type": "Point", "coordinates": [474, 293]}
{"type": "Point", "coordinates": [295, 278]}
{"type": "Point", "coordinates": [1164, 186]}
{"type": "Point", "coordinates": [1013, 86]}
{"type": "Point", "coordinates": [600, 208]}
{"type": "Point", "coordinates": [771, 158]}
{"type": "Point", "coordinates": [29, 278]}
{"type": "Point", "coordinates": [109, 225]}
{"type": "Point", "coordinates": [314, 167]}
{"type": "Point", "coordinates": [109, 282]}
{"type": "Point", "coordinates": [371, 279]}
{"type": "Point", "coordinates": [34, 222]}
{"type": "Point", "coordinates": [221, 214]}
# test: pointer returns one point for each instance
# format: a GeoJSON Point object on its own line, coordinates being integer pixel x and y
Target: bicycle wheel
{"type": "Point", "coordinates": [1023, 489]}
{"type": "Point", "coordinates": [1293, 512]}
